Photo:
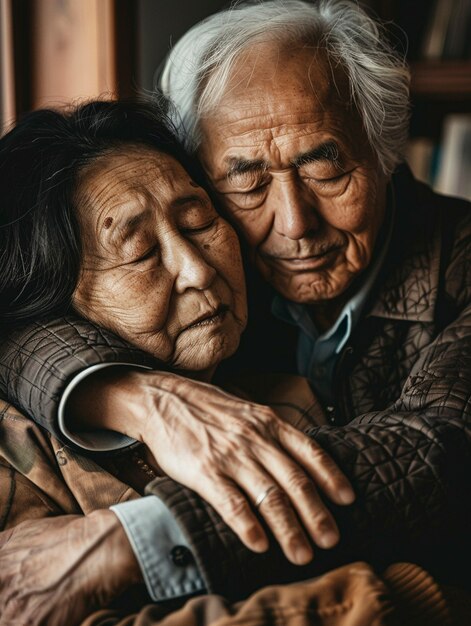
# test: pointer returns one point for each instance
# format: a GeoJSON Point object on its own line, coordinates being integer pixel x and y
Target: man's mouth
{"type": "Point", "coordinates": [212, 317]}
{"type": "Point", "coordinates": [304, 263]}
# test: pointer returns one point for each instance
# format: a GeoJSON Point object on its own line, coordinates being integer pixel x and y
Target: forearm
{"type": "Point", "coordinates": [37, 363]}
{"type": "Point", "coordinates": [56, 570]}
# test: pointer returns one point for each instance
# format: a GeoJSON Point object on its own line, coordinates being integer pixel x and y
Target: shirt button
{"type": "Point", "coordinates": [330, 413]}
{"type": "Point", "coordinates": [181, 556]}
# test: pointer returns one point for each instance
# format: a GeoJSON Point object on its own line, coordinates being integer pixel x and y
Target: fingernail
{"type": "Point", "coordinates": [302, 554]}
{"type": "Point", "coordinates": [328, 539]}
{"type": "Point", "coordinates": [346, 495]}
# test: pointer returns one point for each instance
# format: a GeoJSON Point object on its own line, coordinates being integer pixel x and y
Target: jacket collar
{"type": "Point", "coordinates": [407, 286]}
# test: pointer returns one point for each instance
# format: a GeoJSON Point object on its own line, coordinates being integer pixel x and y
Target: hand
{"type": "Point", "coordinates": [56, 570]}
{"type": "Point", "coordinates": [237, 455]}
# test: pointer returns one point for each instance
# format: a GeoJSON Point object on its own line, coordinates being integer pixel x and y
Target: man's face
{"type": "Point", "coordinates": [291, 165]}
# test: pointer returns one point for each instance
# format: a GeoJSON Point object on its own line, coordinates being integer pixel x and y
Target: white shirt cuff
{"type": "Point", "coordinates": [163, 553]}
{"type": "Point", "coordinates": [98, 440]}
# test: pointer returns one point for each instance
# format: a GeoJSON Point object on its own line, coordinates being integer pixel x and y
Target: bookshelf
{"type": "Point", "coordinates": [441, 80]}
{"type": "Point", "coordinates": [437, 37]}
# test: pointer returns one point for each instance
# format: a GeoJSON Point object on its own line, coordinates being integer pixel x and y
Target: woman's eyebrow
{"type": "Point", "coordinates": [188, 199]}
{"type": "Point", "coordinates": [123, 228]}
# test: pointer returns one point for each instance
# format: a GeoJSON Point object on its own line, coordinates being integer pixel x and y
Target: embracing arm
{"type": "Point", "coordinates": [38, 362]}
{"type": "Point", "coordinates": [181, 419]}
{"type": "Point", "coordinates": [410, 467]}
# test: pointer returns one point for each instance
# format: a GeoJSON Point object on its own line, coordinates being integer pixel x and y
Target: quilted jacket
{"type": "Point", "coordinates": [401, 427]}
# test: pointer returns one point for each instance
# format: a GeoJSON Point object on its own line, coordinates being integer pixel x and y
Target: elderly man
{"type": "Point", "coordinates": [298, 113]}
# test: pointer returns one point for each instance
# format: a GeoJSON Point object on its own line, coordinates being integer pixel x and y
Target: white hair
{"type": "Point", "coordinates": [199, 68]}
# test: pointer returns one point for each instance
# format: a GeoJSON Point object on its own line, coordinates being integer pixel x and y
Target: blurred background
{"type": "Point", "coordinates": [53, 52]}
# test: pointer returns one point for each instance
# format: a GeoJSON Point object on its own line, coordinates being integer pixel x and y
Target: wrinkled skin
{"type": "Point", "coordinates": [291, 165]}
{"type": "Point", "coordinates": [325, 210]}
{"type": "Point", "coordinates": [57, 570]}
{"type": "Point", "coordinates": [160, 267]}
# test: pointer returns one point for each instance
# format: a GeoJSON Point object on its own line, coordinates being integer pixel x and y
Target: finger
{"type": "Point", "coordinates": [293, 480]}
{"type": "Point", "coordinates": [232, 505]}
{"type": "Point", "coordinates": [276, 508]}
{"type": "Point", "coordinates": [309, 454]}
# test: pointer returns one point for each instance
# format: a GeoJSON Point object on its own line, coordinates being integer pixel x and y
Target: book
{"type": "Point", "coordinates": [420, 156]}
{"type": "Point", "coordinates": [459, 31]}
{"type": "Point", "coordinates": [454, 170]}
{"type": "Point", "coordinates": [436, 32]}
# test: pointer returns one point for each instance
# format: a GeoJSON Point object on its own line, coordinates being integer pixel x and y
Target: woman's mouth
{"type": "Point", "coordinates": [211, 318]}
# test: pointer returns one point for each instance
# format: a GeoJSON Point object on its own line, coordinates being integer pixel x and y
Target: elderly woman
{"type": "Point", "coordinates": [101, 218]}
{"type": "Point", "coordinates": [102, 214]}
{"type": "Point", "coordinates": [298, 112]}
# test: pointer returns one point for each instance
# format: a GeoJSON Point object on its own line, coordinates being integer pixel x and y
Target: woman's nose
{"type": "Point", "coordinates": [190, 268]}
{"type": "Point", "coordinates": [295, 214]}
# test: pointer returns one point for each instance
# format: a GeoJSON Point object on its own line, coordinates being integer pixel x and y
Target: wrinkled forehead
{"type": "Point", "coordinates": [280, 104]}
{"type": "Point", "coordinates": [126, 167]}
{"type": "Point", "coordinates": [122, 188]}
{"type": "Point", "coordinates": [126, 171]}
{"type": "Point", "coordinates": [268, 75]}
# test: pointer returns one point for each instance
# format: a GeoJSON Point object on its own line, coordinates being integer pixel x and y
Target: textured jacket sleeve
{"type": "Point", "coordinates": [37, 362]}
{"type": "Point", "coordinates": [410, 466]}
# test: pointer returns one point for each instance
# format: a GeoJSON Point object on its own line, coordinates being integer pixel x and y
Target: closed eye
{"type": "Point", "coordinates": [326, 182]}
{"type": "Point", "coordinates": [256, 190]}
{"type": "Point", "coordinates": [249, 199]}
{"type": "Point", "coordinates": [147, 255]}
{"type": "Point", "coordinates": [196, 230]}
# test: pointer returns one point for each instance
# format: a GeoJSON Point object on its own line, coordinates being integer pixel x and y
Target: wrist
{"type": "Point", "coordinates": [120, 566]}
{"type": "Point", "coordinates": [120, 398]}
{"type": "Point", "coordinates": [104, 400]}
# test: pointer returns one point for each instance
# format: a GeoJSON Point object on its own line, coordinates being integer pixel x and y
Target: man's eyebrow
{"type": "Point", "coordinates": [328, 151]}
{"type": "Point", "coordinates": [238, 167]}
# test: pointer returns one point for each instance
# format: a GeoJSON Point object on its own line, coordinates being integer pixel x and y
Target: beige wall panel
{"type": "Point", "coordinates": [7, 81]}
{"type": "Point", "coordinates": [73, 45]}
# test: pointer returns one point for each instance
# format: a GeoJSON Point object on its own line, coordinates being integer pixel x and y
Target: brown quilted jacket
{"type": "Point", "coordinates": [402, 420]}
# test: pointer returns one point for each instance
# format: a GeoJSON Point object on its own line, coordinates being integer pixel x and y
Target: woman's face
{"type": "Point", "coordinates": [160, 267]}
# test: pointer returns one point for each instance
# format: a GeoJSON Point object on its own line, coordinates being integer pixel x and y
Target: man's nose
{"type": "Point", "coordinates": [294, 207]}
{"type": "Point", "coordinates": [189, 267]}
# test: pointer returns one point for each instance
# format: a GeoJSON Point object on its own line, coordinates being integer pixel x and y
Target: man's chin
{"type": "Point", "coordinates": [308, 289]}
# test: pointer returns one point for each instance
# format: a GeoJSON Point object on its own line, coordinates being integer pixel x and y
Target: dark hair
{"type": "Point", "coordinates": [40, 159]}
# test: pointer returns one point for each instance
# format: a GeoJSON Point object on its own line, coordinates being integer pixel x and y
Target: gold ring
{"type": "Point", "coordinates": [263, 495]}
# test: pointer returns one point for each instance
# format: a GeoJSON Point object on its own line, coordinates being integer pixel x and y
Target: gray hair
{"type": "Point", "coordinates": [198, 69]}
